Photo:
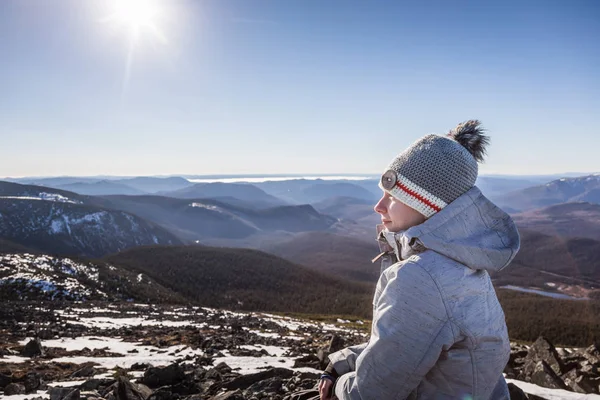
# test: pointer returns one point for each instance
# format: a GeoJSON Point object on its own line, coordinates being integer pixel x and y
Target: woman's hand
{"type": "Point", "coordinates": [325, 389]}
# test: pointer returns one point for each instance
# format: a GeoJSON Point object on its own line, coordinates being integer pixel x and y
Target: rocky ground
{"type": "Point", "coordinates": [144, 352]}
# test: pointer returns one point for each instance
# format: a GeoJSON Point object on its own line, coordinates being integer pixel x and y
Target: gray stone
{"type": "Point", "coordinates": [230, 395]}
{"type": "Point", "coordinates": [156, 377]}
{"type": "Point", "coordinates": [543, 350]}
{"type": "Point", "coordinates": [5, 380]}
{"type": "Point", "coordinates": [516, 393]}
{"type": "Point", "coordinates": [14, 388]}
{"type": "Point", "coordinates": [33, 348]}
{"type": "Point", "coordinates": [544, 376]}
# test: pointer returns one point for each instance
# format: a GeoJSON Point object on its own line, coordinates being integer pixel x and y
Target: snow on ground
{"type": "Point", "coordinates": [552, 394]}
{"type": "Point", "coordinates": [44, 196]}
{"type": "Point", "coordinates": [40, 393]}
{"type": "Point", "coordinates": [250, 365]}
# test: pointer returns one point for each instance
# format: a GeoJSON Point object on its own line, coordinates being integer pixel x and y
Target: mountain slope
{"type": "Point", "coordinates": [246, 280]}
{"type": "Point", "coordinates": [61, 222]}
{"type": "Point", "coordinates": [326, 252]}
{"type": "Point", "coordinates": [346, 207]}
{"type": "Point", "coordinates": [207, 218]}
{"type": "Point", "coordinates": [245, 192]}
{"type": "Point", "coordinates": [148, 184]}
{"type": "Point", "coordinates": [568, 219]}
{"type": "Point", "coordinates": [42, 277]}
{"type": "Point", "coordinates": [564, 190]}
{"type": "Point", "coordinates": [100, 188]}
{"type": "Point", "coordinates": [547, 259]}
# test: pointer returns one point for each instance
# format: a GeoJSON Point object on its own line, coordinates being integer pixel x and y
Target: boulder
{"type": "Point", "coordinates": [126, 390]}
{"type": "Point", "coordinates": [543, 375]}
{"type": "Point", "coordinates": [14, 388]}
{"type": "Point", "coordinates": [230, 395]}
{"type": "Point", "coordinates": [245, 381]}
{"type": "Point", "coordinates": [33, 349]}
{"type": "Point", "coordinates": [543, 350]}
{"type": "Point", "coordinates": [33, 381]}
{"type": "Point", "coordinates": [516, 393]}
{"type": "Point", "coordinates": [271, 385]}
{"type": "Point", "coordinates": [84, 372]}
{"type": "Point", "coordinates": [5, 380]}
{"type": "Point", "coordinates": [63, 393]}
{"type": "Point", "coordinates": [156, 376]}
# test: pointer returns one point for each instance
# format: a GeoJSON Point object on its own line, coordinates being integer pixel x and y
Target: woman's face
{"type": "Point", "coordinates": [395, 215]}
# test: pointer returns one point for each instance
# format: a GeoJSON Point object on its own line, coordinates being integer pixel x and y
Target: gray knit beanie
{"type": "Point", "coordinates": [436, 170]}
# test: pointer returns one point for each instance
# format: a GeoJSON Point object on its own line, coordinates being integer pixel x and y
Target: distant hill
{"type": "Point", "coordinates": [60, 222]}
{"type": "Point", "coordinates": [493, 186]}
{"type": "Point", "coordinates": [246, 192]}
{"type": "Point", "coordinates": [99, 188]}
{"type": "Point", "coordinates": [302, 191]}
{"type": "Point", "coordinates": [196, 219]}
{"type": "Point", "coordinates": [544, 258]}
{"type": "Point", "coordinates": [42, 277]}
{"type": "Point", "coordinates": [564, 190]}
{"type": "Point", "coordinates": [326, 252]}
{"type": "Point", "coordinates": [567, 219]}
{"type": "Point", "coordinates": [244, 279]}
{"type": "Point", "coordinates": [346, 207]}
{"type": "Point", "coordinates": [147, 184]}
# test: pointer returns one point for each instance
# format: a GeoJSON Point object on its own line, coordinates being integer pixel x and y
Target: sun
{"type": "Point", "coordinates": [138, 16]}
{"type": "Point", "coordinates": [136, 13]}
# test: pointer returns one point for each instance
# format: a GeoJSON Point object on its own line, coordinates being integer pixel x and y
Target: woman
{"type": "Point", "coordinates": [438, 329]}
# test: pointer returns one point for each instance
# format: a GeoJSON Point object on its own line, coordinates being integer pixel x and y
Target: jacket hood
{"type": "Point", "coordinates": [471, 230]}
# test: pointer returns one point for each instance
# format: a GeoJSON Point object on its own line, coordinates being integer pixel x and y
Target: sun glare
{"type": "Point", "coordinates": [138, 16]}
{"type": "Point", "coordinates": [136, 13]}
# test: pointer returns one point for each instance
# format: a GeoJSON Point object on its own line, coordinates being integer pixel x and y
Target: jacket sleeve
{"type": "Point", "coordinates": [410, 329]}
{"type": "Point", "coordinates": [344, 361]}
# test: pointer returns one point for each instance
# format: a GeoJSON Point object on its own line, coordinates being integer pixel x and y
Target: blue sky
{"type": "Point", "coordinates": [256, 86]}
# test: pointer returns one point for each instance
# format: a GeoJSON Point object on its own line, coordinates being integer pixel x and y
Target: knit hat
{"type": "Point", "coordinates": [436, 170]}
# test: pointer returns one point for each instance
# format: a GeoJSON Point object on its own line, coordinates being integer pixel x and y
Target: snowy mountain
{"type": "Point", "coordinates": [43, 277]}
{"type": "Point", "coordinates": [199, 219]}
{"type": "Point", "coordinates": [62, 222]}
{"type": "Point", "coordinates": [564, 190]}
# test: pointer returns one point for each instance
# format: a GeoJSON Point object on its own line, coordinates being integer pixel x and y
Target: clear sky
{"type": "Point", "coordinates": [293, 86]}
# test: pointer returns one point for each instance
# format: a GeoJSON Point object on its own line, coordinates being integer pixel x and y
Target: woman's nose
{"type": "Point", "coordinates": [379, 207]}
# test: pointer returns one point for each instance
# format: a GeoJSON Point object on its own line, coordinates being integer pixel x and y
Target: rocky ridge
{"type": "Point", "coordinates": [74, 350]}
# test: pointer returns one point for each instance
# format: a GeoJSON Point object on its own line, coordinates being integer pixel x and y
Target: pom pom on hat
{"type": "Point", "coordinates": [470, 135]}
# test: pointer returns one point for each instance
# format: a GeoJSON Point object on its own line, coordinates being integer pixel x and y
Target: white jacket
{"type": "Point", "coordinates": [438, 329]}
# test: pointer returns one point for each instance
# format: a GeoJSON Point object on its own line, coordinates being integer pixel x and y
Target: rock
{"type": "Point", "coordinates": [84, 372]}
{"type": "Point", "coordinates": [310, 360]}
{"type": "Point", "coordinates": [516, 393]}
{"type": "Point", "coordinates": [223, 368]}
{"type": "Point", "coordinates": [33, 348]}
{"type": "Point", "coordinates": [336, 344]}
{"type": "Point", "coordinates": [14, 388]}
{"type": "Point", "coordinates": [5, 380]}
{"type": "Point", "coordinates": [271, 385]}
{"type": "Point", "coordinates": [245, 381]}
{"type": "Point", "coordinates": [126, 390]}
{"type": "Point", "coordinates": [543, 350]}
{"type": "Point", "coordinates": [163, 395]}
{"type": "Point", "coordinates": [95, 384]}
{"type": "Point", "coordinates": [63, 393]}
{"type": "Point", "coordinates": [585, 384]}
{"type": "Point", "coordinates": [140, 366]}
{"type": "Point", "coordinates": [33, 382]}
{"type": "Point", "coordinates": [230, 395]}
{"type": "Point", "coordinates": [543, 375]}
{"type": "Point", "coordinates": [156, 377]}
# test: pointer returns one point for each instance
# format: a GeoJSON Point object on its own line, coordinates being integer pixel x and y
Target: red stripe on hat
{"type": "Point", "coordinates": [418, 196]}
